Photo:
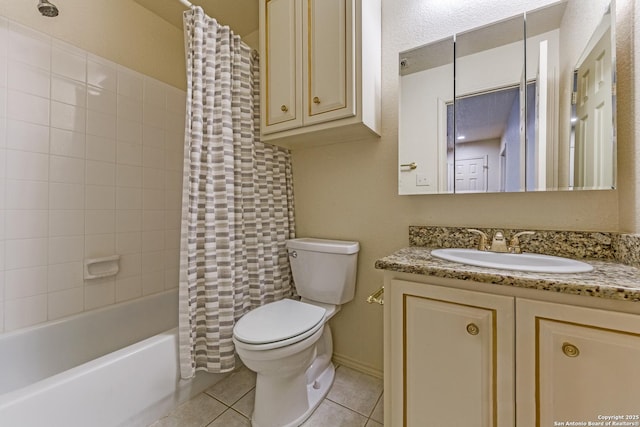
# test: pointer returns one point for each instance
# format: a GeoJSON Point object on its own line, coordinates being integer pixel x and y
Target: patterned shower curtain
{"type": "Point", "coordinates": [237, 203]}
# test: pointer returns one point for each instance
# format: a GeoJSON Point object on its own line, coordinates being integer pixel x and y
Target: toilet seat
{"type": "Point", "coordinates": [278, 324]}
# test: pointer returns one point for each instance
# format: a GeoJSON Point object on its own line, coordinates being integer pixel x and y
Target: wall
{"type": "Point", "coordinates": [349, 190]}
{"type": "Point", "coordinates": [90, 166]}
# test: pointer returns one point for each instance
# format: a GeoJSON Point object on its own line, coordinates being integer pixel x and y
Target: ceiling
{"type": "Point", "coordinates": [240, 15]}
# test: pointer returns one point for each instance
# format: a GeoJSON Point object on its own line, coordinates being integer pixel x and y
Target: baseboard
{"type": "Point", "coordinates": [339, 359]}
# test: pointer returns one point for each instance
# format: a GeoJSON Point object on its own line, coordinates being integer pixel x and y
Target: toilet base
{"type": "Point", "coordinates": [316, 392]}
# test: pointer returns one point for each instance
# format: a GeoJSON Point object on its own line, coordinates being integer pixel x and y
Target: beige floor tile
{"type": "Point", "coordinates": [233, 387]}
{"type": "Point", "coordinates": [197, 412]}
{"type": "Point", "coordinates": [355, 390]}
{"type": "Point", "coordinates": [378, 411]}
{"type": "Point", "coordinates": [330, 414]}
{"type": "Point", "coordinates": [230, 419]}
{"type": "Point", "coordinates": [372, 423]}
{"type": "Point", "coordinates": [245, 405]}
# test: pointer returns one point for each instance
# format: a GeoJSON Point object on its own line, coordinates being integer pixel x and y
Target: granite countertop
{"type": "Point", "coordinates": [609, 279]}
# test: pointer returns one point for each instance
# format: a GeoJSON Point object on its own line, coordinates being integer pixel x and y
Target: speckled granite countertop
{"type": "Point", "coordinates": [610, 279]}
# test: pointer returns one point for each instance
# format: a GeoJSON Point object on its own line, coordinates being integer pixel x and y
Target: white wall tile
{"type": "Point", "coordinates": [101, 100]}
{"type": "Point", "coordinates": [67, 143]}
{"type": "Point", "coordinates": [101, 149]}
{"type": "Point", "coordinates": [68, 63]}
{"type": "Point", "coordinates": [152, 241]}
{"type": "Point", "coordinates": [152, 261]}
{"type": "Point", "coordinates": [100, 197]}
{"type": "Point", "coordinates": [172, 199]}
{"type": "Point", "coordinates": [25, 253]}
{"type": "Point", "coordinates": [27, 194]}
{"type": "Point", "coordinates": [128, 198]}
{"type": "Point", "coordinates": [66, 169]}
{"type": "Point", "coordinates": [66, 196]}
{"type": "Point", "coordinates": [66, 302]}
{"type": "Point", "coordinates": [171, 278]}
{"type": "Point", "coordinates": [172, 239]}
{"type": "Point", "coordinates": [29, 46]}
{"type": "Point", "coordinates": [101, 124]}
{"type": "Point", "coordinates": [24, 165]}
{"type": "Point", "coordinates": [153, 282]}
{"type": "Point", "coordinates": [153, 137]}
{"type": "Point", "coordinates": [153, 157]}
{"type": "Point", "coordinates": [25, 282]}
{"type": "Point", "coordinates": [153, 115]}
{"type": "Point", "coordinates": [28, 79]}
{"type": "Point", "coordinates": [129, 154]}
{"type": "Point", "coordinates": [174, 123]}
{"type": "Point", "coordinates": [23, 312]}
{"type": "Point", "coordinates": [29, 224]}
{"type": "Point", "coordinates": [66, 223]}
{"type": "Point", "coordinates": [171, 258]}
{"type": "Point", "coordinates": [129, 131]}
{"type": "Point", "coordinates": [129, 243]}
{"type": "Point", "coordinates": [129, 108]}
{"type": "Point", "coordinates": [99, 245]}
{"type": "Point", "coordinates": [69, 117]}
{"type": "Point", "coordinates": [100, 222]}
{"type": "Point", "coordinates": [152, 220]}
{"type": "Point", "coordinates": [153, 199]}
{"type": "Point", "coordinates": [27, 136]}
{"type": "Point", "coordinates": [66, 249]}
{"type": "Point", "coordinates": [65, 276]}
{"type": "Point", "coordinates": [68, 91]}
{"type": "Point", "coordinates": [153, 178]}
{"type": "Point", "coordinates": [130, 265]}
{"type": "Point", "coordinates": [129, 176]}
{"type": "Point", "coordinates": [128, 221]}
{"type": "Point", "coordinates": [173, 180]}
{"type": "Point", "coordinates": [176, 100]}
{"type": "Point", "coordinates": [128, 288]}
{"type": "Point", "coordinates": [102, 73]}
{"type": "Point", "coordinates": [99, 293]}
{"type": "Point", "coordinates": [28, 108]}
{"type": "Point", "coordinates": [155, 92]}
{"type": "Point", "coordinates": [100, 173]}
{"type": "Point", "coordinates": [130, 83]}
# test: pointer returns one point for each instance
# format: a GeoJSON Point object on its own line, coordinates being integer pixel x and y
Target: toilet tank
{"type": "Point", "coordinates": [324, 270]}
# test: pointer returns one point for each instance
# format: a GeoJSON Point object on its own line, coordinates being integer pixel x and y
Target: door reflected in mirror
{"type": "Point", "coordinates": [510, 123]}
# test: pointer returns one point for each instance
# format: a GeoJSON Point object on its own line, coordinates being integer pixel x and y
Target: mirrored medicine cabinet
{"type": "Point", "coordinates": [524, 104]}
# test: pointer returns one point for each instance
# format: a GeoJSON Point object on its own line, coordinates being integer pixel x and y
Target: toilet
{"type": "Point", "coordinates": [288, 342]}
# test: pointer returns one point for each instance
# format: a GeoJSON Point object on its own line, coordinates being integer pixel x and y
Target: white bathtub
{"type": "Point", "coordinates": [116, 366]}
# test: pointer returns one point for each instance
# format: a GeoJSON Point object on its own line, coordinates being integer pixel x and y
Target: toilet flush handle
{"type": "Point", "coordinates": [293, 254]}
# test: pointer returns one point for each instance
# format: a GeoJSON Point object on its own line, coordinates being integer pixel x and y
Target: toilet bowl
{"type": "Point", "coordinates": [288, 343]}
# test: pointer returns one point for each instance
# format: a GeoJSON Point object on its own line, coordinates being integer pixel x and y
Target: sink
{"type": "Point", "coordinates": [522, 262]}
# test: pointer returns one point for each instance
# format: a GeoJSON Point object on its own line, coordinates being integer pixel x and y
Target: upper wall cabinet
{"type": "Point", "coordinates": [523, 104]}
{"type": "Point", "coordinates": [320, 71]}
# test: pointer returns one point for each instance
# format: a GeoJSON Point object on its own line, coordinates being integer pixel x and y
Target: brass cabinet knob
{"type": "Point", "coordinates": [473, 329]}
{"type": "Point", "coordinates": [316, 100]}
{"type": "Point", "coordinates": [570, 350]}
{"type": "Point", "coordinates": [284, 109]}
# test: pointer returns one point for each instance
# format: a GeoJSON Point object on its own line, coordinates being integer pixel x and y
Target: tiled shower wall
{"type": "Point", "coordinates": [90, 166]}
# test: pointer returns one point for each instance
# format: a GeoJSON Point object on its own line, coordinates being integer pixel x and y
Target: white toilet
{"type": "Point", "coordinates": [288, 343]}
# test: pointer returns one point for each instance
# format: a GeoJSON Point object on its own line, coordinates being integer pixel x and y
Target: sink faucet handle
{"type": "Point", "coordinates": [482, 243]}
{"type": "Point", "coordinates": [514, 243]}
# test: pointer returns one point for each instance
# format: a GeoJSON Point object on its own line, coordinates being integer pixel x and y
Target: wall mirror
{"type": "Point", "coordinates": [524, 104]}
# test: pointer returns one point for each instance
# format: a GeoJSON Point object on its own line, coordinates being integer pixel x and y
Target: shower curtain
{"type": "Point", "coordinates": [237, 203]}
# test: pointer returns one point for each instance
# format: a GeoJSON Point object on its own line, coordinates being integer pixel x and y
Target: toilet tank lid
{"type": "Point", "coordinates": [324, 245]}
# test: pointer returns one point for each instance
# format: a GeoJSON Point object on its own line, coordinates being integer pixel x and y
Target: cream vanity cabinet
{"type": "Point", "coordinates": [455, 356]}
{"type": "Point", "coordinates": [320, 70]}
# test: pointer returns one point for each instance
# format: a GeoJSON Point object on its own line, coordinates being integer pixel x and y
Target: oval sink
{"type": "Point", "coordinates": [522, 262]}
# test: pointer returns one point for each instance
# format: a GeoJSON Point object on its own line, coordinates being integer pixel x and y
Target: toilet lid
{"type": "Point", "coordinates": [277, 321]}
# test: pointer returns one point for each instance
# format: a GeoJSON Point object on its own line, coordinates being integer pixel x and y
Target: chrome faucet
{"type": "Point", "coordinates": [499, 242]}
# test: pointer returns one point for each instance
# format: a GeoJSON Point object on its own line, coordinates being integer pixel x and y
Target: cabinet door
{"type": "Point", "coordinates": [282, 70]}
{"type": "Point", "coordinates": [584, 364]}
{"type": "Point", "coordinates": [452, 357]}
{"type": "Point", "coordinates": [329, 61]}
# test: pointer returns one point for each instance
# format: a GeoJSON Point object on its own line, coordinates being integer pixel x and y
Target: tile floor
{"type": "Point", "coordinates": [355, 400]}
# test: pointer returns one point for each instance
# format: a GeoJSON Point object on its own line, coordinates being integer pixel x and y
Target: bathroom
{"type": "Point", "coordinates": [343, 191]}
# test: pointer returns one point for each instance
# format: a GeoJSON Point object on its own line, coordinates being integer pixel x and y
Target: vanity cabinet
{"type": "Point", "coordinates": [455, 356]}
{"type": "Point", "coordinates": [320, 71]}
{"type": "Point", "coordinates": [576, 363]}
{"type": "Point", "coordinates": [452, 357]}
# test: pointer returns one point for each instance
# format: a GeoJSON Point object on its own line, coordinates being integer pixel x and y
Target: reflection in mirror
{"type": "Point", "coordinates": [489, 141]}
{"type": "Point", "coordinates": [513, 125]}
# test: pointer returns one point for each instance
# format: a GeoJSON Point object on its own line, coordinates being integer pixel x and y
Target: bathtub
{"type": "Point", "coordinates": [116, 366]}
